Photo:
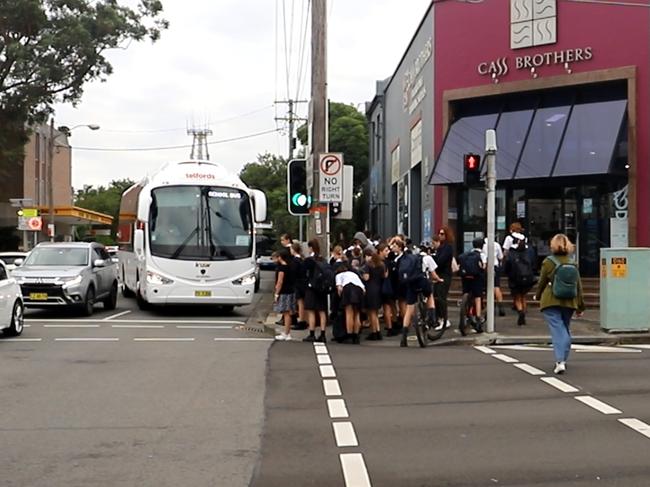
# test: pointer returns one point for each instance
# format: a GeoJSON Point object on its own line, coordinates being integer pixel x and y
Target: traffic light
{"type": "Point", "coordinates": [472, 170]}
{"type": "Point", "coordinates": [298, 199]}
{"type": "Point", "coordinates": [336, 208]}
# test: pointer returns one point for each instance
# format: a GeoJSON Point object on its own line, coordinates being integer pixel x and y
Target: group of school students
{"type": "Point", "coordinates": [361, 282]}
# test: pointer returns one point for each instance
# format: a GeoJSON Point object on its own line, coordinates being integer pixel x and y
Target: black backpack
{"type": "Point", "coordinates": [410, 268]}
{"type": "Point", "coordinates": [522, 269]}
{"type": "Point", "coordinates": [322, 278]}
{"type": "Point", "coordinates": [470, 264]}
{"type": "Point", "coordinates": [565, 279]}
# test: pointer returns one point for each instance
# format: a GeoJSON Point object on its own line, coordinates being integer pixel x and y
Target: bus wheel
{"type": "Point", "coordinates": [142, 303]}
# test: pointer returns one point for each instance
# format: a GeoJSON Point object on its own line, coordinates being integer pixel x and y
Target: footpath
{"type": "Point", "coordinates": [585, 330]}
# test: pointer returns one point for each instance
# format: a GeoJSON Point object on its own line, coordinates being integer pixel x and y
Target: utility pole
{"type": "Point", "coordinates": [318, 225]}
{"type": "Point", "coordinates": [50, 180]}
{"type": "Point", "coordinates": [490, 187]}
{"type": "Point", "coordinates": [199, 141]}
{"type": "Point", "coordinates": [291, 119]}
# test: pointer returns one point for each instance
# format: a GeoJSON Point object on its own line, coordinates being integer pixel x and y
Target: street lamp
{"type": "Point", "coordinates": [50, 167]}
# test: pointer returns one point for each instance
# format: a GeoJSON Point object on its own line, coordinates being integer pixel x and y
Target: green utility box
{"type": "Point", "coordinates": [625, 289]}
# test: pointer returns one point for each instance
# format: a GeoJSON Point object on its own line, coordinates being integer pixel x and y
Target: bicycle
{"type": "Point", "coordinates": [468, 313]}
{"type": "Point", "coordinates": [425, 329]}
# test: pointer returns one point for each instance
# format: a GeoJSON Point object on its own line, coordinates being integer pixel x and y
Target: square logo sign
{"type": "Point", "coordinates": [532, 23]}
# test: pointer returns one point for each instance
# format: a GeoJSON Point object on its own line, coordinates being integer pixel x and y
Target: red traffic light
{"type": "Point", "coordinates": [472, 162]}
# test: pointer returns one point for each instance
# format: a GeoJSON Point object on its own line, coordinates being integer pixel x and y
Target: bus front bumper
{"type": "Point", "coordinates": [189, 294]}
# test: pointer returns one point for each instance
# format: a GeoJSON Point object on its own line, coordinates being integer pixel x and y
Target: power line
{"type": "Point", "coordinates": [185, 146]}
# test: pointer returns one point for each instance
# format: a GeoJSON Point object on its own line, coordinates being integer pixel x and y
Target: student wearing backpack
{"type": "Point", "coordinates": [320, 282]}
{"type": "Point", "coordinates": [284, 301]}
{"type": "Point", "coordinates": [521, 278]}
{"type": "Point", "coordinates": [560, 295]}
{"type": "Point", "coordinates": [472, 273]}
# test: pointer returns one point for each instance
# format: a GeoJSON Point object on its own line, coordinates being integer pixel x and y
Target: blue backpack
{"type": "Point", "coordinates": [409, 268]}
{"type": "Point", "coordinates": [564, 280]}
{"type": "Point", "coordinates": [470, 264]}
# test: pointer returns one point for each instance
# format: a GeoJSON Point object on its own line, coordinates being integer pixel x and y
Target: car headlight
{"type": "Point", "coordinates": [157, 279]}
{"type": "Point", "coordinates": [70, 281]}
{"type": "Point", "coordinates": [246, 280]}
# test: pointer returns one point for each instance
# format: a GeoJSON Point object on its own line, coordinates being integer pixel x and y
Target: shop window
{"type": "Point", "coordinates": [511, 137]}
{"type": "Point", "coordinates": [591, 137]}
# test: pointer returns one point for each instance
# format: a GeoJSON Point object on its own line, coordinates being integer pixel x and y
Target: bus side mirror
{"type": "Point", "coordinates": [259, 205]}
{"type": "Point", "coordinates": [138, 242]}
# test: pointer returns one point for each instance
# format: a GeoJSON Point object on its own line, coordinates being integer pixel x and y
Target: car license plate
{"type": "Point", "coordinates": [38, 296]}
{"type": "Point", "coordinates": [202, 294]}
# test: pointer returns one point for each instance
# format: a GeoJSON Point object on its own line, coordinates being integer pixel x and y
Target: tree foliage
{"type": "Point", "coordinates": [104, 200]}
{"type": "Point", "coordinates": [50, 48]}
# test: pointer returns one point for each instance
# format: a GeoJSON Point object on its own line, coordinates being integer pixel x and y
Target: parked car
{"type": "Point", "coordinates": [63, 274]}
{"type": "Point", "coordinates": [11, 304]}
{"type": "Point", "coordinates": [9, 258]}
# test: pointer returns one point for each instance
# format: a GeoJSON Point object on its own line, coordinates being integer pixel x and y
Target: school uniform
{"type": "Point", "coordinates": [353, 289]}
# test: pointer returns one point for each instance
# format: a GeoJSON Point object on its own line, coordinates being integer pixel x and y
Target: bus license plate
{"type": "Point", "coordinates": [202, 294]}
{"type": "Point", "coordinates": [38, 296]}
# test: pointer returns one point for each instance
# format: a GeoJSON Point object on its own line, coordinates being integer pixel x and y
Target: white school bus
{"type": "Point", "coordinates": [187, 235]}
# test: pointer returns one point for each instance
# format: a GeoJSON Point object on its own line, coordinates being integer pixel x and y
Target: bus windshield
{"type": "Point", "coordinates": [200, 223]}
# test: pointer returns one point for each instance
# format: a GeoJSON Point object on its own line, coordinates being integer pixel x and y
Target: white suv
{"type": "Point", "coordinates": [11, 304]}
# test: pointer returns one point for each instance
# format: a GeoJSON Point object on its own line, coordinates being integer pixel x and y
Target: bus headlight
{"type": "Point", "coordinates": [157, 279]}
{"type": "Point", "coordinates": [246, 280]}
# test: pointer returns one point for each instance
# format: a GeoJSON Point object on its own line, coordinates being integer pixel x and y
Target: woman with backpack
{"type": "Point", "coordinates": [315, 295]}
{"type": "Point", "coordinates": [560, 295]}
{"type": "Point", "coordinates": [521, 278]}
{"type": "Point", "coordinates": [372, 273]}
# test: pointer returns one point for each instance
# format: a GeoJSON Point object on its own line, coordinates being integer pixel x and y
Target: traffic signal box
{"type": "Point", "coordinates": [298, 199]}
{"type": "Point", "coordinates": [472, 170]}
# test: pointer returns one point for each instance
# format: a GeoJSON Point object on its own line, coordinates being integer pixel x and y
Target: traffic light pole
{"type": "Point", "coordinates": [490, 187]}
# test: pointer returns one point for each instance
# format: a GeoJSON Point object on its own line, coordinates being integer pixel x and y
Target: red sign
{"type": "Point", "coordinates": [35, 223]}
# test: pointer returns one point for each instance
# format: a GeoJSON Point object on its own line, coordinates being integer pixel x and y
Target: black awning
{"type": "Point", "coordinates": [553, 134]}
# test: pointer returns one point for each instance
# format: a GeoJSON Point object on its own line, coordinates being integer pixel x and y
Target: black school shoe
{"type": "Point", "coordinates": [321, 338]}
{"type": "Point", "coordinates": [521, 321]}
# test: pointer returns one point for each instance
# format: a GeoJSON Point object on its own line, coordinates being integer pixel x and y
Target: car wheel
{"type": "Point", "coordinates": [89, 303]}
{"type": "Point", "coordinates": [17, 320]}
{"type": "Point", "coordinates": [110, 302]}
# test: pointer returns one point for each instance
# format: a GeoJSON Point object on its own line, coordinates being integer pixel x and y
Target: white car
{"type": "Point", "coordinates": [11, 304]}
{"type": "Point", "coordinates": [9, 258]}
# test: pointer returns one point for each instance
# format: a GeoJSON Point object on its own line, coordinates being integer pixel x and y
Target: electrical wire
{"type": "Point", "coordinates": [185, 146]}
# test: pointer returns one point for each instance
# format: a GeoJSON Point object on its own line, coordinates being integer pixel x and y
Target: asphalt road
{"type": "Point", "coordinates": [166, 398]}
{"type": "Point", "coordinates": [454, 416]}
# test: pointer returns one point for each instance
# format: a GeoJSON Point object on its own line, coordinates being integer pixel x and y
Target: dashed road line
{"type": "Point", "coordinates": [344, 434]}
{"type": "Point", "coordinates": [164, 339]}
{"type": "Point", "coordinates": [104, 339]}
{"type": "Point", "coordinates": [21, 340]}
{"type": "Point", "coordinates": [117, 315]}
{"type": "Point", "coordinates": [558, 384]}
{"type": "Point", "coordinates": [243, 339]}
{"type": "Point", "coordinates": [324, 359]}
{"type": "Point", "coordinates": [486, 350]}
{"type": "Point", "coordinates": [637, 425]}
{"type": "Point", "coordinates": [139, 326]}
{"type": "Point", "coordinates": [505, 358]}
{"type": "Point", "coordinates": [530, 369]}
{"type": "Point", "coordinates": [598, 405]}
{"type": "Point", "coordinates": [172, 322]}
{"type": "Point", "coordinates": [207, 327]}
{"type": "Point", "coordinates": [327, 371]}
{"type": "Point", "coordinates": [331, 387]}
{"type": "Point", "coordinates": [354, 470]}
{"type": "Point", "coordinates": [70, 326]}
{"type": "Point", "coordinates": [337, 408]}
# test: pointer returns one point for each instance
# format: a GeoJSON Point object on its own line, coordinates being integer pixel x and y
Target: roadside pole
{"type": "Point", "coordinates": [490, 187]}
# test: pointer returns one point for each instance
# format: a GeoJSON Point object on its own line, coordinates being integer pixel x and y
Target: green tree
{"type": "Point", "coordinates": [49, 49]}
{"type": "Point", "coordinates": [269, 174]}
{"type": "Point", "coordinates": [104, 200]}
{"type": "Point", "coordinates": [348, 133]}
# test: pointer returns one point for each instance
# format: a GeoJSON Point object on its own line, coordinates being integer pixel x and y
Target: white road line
{"type": "Point", "coordinates": [354, 470]}
{"type": "Point", "coordinates": [21, 340]}
{"type": "Point", "coordinates": [208, 327]}
{"type": "Point", "coordinates": [331, 387]}
{"type": "Point", "coordinates": [70, 326]}
{"type": "Point", "coordinates": [344, 434]}
{"type": "Point", "coordinates": [138, 326]}
{"type": "Point", "coordinates": [86, 339]}
{"type": "Point", "coordinates": [640, 345]}
{"type": "Point", "coordinates": [324, 359]}
{"type": "Point", "coordinates": [600, 406]}
{"type": "Point", "coordinates": [601, 349]}
{"type": "Point", "coordinates": [637, 425]}
{"type": "Point", "coordinates": [178, 322]}
{"type": "Point", "coordinates": [337, 409]}
{"type": "Point", "coordinates": [163, 339]}
{"type": "Point", "coordinates": [26, 326]}
{"type": "Point", "coordinates": [505, 358]}
{"type": "Point", "coordinates": [487, 350]}
{"type": "Point", "coordinates": [558, 384]}
{"type": "Point", "coordinates": [117, 315]}
{"type": "Point", "coordinates": [530, 369]}
{"type": "Point", "coordinates": [244, 340]}
{"type": "Point", "coordinates": [524, 348]}
{"type": "Point", "coordinates": [327, 371]}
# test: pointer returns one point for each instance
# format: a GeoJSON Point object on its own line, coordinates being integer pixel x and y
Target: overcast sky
{"type": "Point", "coordinates": [222, 63]}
